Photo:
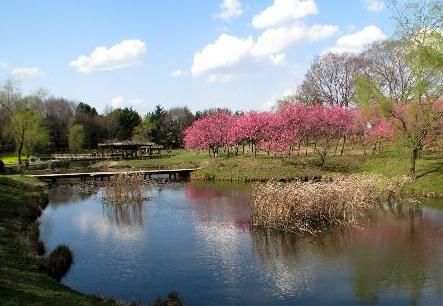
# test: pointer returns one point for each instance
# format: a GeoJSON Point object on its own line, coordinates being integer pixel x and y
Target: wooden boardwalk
{"type": "Point", "coordinates": [173, 173]}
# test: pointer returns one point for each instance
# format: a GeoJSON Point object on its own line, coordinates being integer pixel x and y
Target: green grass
{"type": "Point", "coordinates": [9, 159]}
{"type": "Point", "coordinates": [21, 280]}
{"type": "Point", "coordinates": [246, 168]}
{"type": "Point", "coordinates": [179, 159]}
{"type": "Point", "coordinates": [429, 170]}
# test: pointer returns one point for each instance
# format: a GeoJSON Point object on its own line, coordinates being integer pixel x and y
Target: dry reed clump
{"type": "Point", "coordinates": [125, 189]}
{"type": "Point", "coordinates": [313, 207]}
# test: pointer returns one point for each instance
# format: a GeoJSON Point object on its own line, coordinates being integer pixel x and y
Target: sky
{"type": "Point", "coordinates": [240, 54]}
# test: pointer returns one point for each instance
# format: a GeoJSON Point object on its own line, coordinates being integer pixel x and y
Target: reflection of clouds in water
{"type": "Point", "coordinates": [225, 243]}
{"type": "Point", "coordinates": [91, 222]}
{"type": "Point", "coordinates": [287, 267]}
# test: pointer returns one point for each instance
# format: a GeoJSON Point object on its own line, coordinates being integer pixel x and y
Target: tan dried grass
{"type": "Point", "coordinates": [125, 189]}
{"type": "Point", "coordinates": [312, 207]}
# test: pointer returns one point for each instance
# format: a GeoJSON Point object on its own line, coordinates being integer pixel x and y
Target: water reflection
{"type": "Point", "coordinates": [130, 215]}
{"type": "Point", "coordinates": [198, 242]}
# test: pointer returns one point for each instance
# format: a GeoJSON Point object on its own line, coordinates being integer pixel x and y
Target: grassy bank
{"type": "Point", "coordinates": [245, 168]}
{"type": "Point", "coordinates": [23, 281]}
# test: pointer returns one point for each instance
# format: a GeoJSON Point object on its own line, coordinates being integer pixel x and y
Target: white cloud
{"type": "Point", "coordinates": [374, 5]}
{"type": "Point", "coordinates": [272, 101]}
{"type": "Point", "coordinates": [3, 66]}
{"type": "Point", "coordinates": [356, 42]}
{"type": "Point", "coordinates": [230, 9]}
{"type": "Point", "coordinates": [117, 102]}
{"type": "Point", "coordinates": [221, 60]}
{"type": "Point", "coordinates": [122, 55]}
{"type": "Point", "coordinates": [121, 102]}
{"type": "Point", "coordinates": [274, 41]}
{"type": "Point", "coordinates": [178, 73]}
{"type": "Point", "coordinates": [277, 59]}
{"type": "Point", "coordinates": [25, 73]}
{"type": "Point", "coordinates": [282, 11]}
{"type": "Point", "coordinates": [225, 52]}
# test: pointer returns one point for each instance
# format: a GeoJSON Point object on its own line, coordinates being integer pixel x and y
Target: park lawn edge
{"type": "Point", "coordinates": [22, 280]}
{"type": "Point", "coordinates": [263, 167]}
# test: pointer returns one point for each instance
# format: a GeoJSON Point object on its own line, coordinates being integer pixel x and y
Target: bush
{"type": "Point", "coordinates": [172, 300]}
{"type": "Point", "coordinates": [59, 261]}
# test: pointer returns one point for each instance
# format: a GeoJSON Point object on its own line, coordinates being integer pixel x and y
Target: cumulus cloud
{"type": "Point", "coordinates": [374, 5]}
{"type": "Point", "coordinates": [277, 59]}
{"type": "Point", "coordinates": [121, 102]}
{"type": "Point", "coordinates": [274, 41]}
{"type": "Point", "coordinates": [230, 9]}
{"type": "Point", "coordinates": [283, 11]}
{"type": "Point", "coordinates": [178, 73]}
{"type": "Point", "coordinates": [25, 73]}
{"type": "Point", "coordinates": [225, 52]}
{"type": "Point", "coordinates": [219, 60]}
{"type": "Point", "coordinates": [122, 55]}
{"type": "Point", "coordinates": [271, 102]}
{"type": "Point", "coordinates": [358, 41]}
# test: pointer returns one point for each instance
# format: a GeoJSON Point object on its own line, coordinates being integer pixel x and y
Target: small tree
{"type": "Point", "coordinates": [76, 137]}
{"type": "Point", "coordinates": [420, 28]}
{"type": "Point", "coordinates": [27, 130]}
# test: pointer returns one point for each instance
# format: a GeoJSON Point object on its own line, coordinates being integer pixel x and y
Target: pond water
{"type": "Point", "coordinates": [195, 239]}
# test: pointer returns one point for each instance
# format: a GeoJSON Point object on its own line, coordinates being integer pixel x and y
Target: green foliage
{"type": "Point", "coordinates": [26, 129]}
{"type": "Point", "coordinates": [76, 137]}
{"type": "Point", "coordinates": [143, 130]}
{"type": "Point", "coordinates": [368, 94]}
{"type": "Point", "coordinates": [122, 122]}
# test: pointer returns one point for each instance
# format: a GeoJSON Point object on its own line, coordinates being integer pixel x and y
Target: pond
{"type": "Point", "coordinates": [195, 238]}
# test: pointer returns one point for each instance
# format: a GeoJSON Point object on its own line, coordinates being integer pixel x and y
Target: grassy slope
{"type": "Point", "coordinates": [264, 167]}
{"type": "Point", "coordinates": [21, 283]}
{"type": "Point", "coordinates": [9, 159]}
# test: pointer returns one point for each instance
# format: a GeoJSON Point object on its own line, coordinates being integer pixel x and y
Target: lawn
{"type": "Point", "coordinates": [244, 168]}
{"type": "Point", "coordinates": [9, 159]}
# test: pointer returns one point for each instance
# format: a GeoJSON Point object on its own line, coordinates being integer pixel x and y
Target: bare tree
{"type": "Point", "coordinates": [331, 80]}
{"type": "Point", "coordinates": [388, 66]}
{"type": "Point", "coordinates": [9, 95]}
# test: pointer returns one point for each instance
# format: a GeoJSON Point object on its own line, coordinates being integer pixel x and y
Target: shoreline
{"type": "Point", "coordinates": [23, 278]}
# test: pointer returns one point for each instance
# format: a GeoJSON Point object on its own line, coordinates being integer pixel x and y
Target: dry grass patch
{"type": "Point", "coordinates": [125, 189]}
{"type": "Point", "coordinates": [313, 207]}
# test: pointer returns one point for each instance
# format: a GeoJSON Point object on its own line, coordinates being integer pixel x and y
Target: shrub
{"type": "Point", "coordinates": [172, 300]}
{"type": "Point", "coordinates": [59, 261]}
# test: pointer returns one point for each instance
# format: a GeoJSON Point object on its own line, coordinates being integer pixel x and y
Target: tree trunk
{"type": "Point", "coordinates": [414, 154]}
{"type": "Point", "coordinates": [336, 146]}
{"type": "Point", "coordinates": [343, 146]}
{"type": "Point", "coordinates": [20, 149]}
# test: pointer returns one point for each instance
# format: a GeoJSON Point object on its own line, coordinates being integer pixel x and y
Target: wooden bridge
{"type": "Point", "coordinates": [172, 173]}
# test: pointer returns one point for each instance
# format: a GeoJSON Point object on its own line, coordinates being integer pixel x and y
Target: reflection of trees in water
{"type": "Point", "coordinates": [130, 215]}
{"type": "Point", "coordinates": [400, 254]}
{"type": "Point", "coordinates": [215, 204]}
{"type": "Point", "coordinates": [62, 195]}
{"type": "Point", "coordinates": [396, 254]}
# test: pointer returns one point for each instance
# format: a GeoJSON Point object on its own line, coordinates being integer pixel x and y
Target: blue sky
{"type": "Point", "coordinates": [235, 53]}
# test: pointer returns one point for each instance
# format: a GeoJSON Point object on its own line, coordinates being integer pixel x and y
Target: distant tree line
{"type": "Point", "coordinates": [37, 123]}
